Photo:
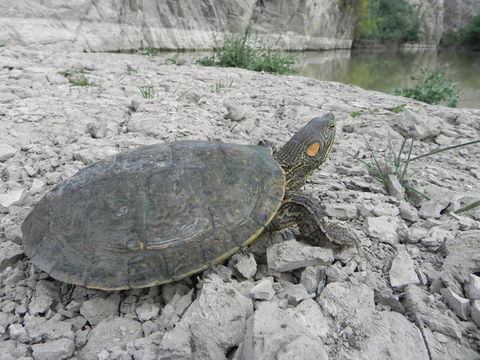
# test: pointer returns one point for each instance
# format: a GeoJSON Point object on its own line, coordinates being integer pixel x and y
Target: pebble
{"type": "Point", "coordinates": [17, 332]}
{"type": "Point", "coordinates": [57, 349]}
{"type": "Point", "coordinates": [459, 305]}
{"type": "Point", "coordinates": [341, 211]}
{"type": "Point", "coordinates": [236, 112]}
{"type": "Point", "coordinates": [39, 304]}
{"type": "Point", "coordinates": [432, 209]}
{"type": "Point", "coordinates": [263, 290]}
{"type": "Point", "coordinates": [395, 189]}
{"type": "Point", "coordinates": [472, 288]}
{"type": "Point", "coordinates": [14, 197]}
{"type": "Point", "coordinates": [147, 311]}
{"type": "Point", "coordinates": [7, 151]}
{"type": "Point", "coordinates": [408, 212]}
{"type": "Point", "coordinates": [296, 293]}
{"type": "Point", "coordinates": [244, 264]}
{"type": "Point", "coordinates": [290, 255]}
{"type": "Point", "coordinates": [402, 272]}
{"type": "Point", "coordinates": [99, 308]}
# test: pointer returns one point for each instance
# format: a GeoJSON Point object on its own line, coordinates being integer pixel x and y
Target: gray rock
{"type": "Point", "coordinates": [337, 272]}
{"type": "Point", "coordinates": [423, 307]}
{"type": "Point", "coordinates": [443, 347]}
{"type": "Point", "coordinates": [416, 125]}
{"type": "Point", "coordinates": [10, 253]}
{"type": "Point", "coordinates": [402, 272]}
{"type": "Point", "coordinates": [416, 233]}
{"type": "Point", "coordinates": [147, 311]}
{"type": "Point", "coordinates": [383, 228]}
{"type": "Point", "coordinates": [176, 344]}
{"type": "Point", "coordinates": [273, 334]}
{"type": "Point", "coordinates": [395, 189]}
{"type": "Point", "coordinates": [37, 328]}
{"type": "Point", "coordinates": [290, 255]}
{"type": "Point", "coordinates": [6, 152]}
{"type": "Point", "coordinates": [99, 308]}
{"type": "Point", "coordinates": [173, 311]}
{"type": "Point", "coordinates": [408, 212]}
{"type": "Point", "coordinates": [475, 312]}
{"type": "Point", "coordinates": [462, 259]}
{"type": "Point", "coordinates": [56, 349]}
{"type": "Point", "coordinates": [385, 209]}
{"type": "Point", "coordinates": [112, 333]}
{"type": "Point", "coordinates": [311, 276]}
{"type": "Point", "coordinates": [432, 209]}
{"type": "Point", "coordinates": [296, 293]}
{"type": "Point", "coordinates": [342, 301]}
{"type": "Point", "coordinates": [40, 304]}
{"type": "Point", "coordinates": [244, 264]}
{"type": "Point", "coordinates": [17, 332]}
{"type": "Point", "coordinates": [14, 197]}
{"type": "Point", "coordinates": [263, 290]}
{"type": "Point", "coordinates": [459, 305]}
{"type": "Point", "coordinates": [218, 313]}
{"type": "Point", "coordinates": [309, 315]}
{"type": "Point", "coordinates": [341, 211]}
{"type": "Point", "coordinates": [236, 112]}
{"type": "Point", "coordinates": [436, 237]}
{"type": "Point", "coordinates": [472, 288]}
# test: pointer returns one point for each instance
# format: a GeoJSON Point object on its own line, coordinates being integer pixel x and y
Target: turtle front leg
{"type": "Point", "coordinates": [301, 209]}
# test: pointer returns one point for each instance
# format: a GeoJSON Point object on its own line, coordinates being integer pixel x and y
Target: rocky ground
{"type": "Point", "coordinates": [409, 291]}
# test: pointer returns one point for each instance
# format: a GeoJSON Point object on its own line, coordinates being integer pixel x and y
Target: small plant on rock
{"type": "Point", "coordinates": [148, 92]}
{"type": "Point", "coordinates": [431, 88]}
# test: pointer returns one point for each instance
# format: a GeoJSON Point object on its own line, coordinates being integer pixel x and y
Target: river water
{"type": "Point", "coordinates": [384, 70]}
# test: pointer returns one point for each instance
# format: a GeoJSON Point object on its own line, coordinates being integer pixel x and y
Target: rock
{"type": "Point", "coordinates": [443, 347]}
{"type": "Point", "coordinates": [415, 125]}
{"type": "Point", "coordinates": [459, 305]}
{"type": "Point", "coordinates": [436, 237]}
{"type": "Point", "coordinates": [273, 334]}
{"type": "Point", "coordinates": [56, 349]}
{"type": "Point", "coordinates": [432, 209]}
{"type": "Point", "coordinates": [422, 306]}
{"type": "Point", "coordinates": [475, 312]}
{"type": "Point", "coordinates": [309, 315]}
{"type": "Point", "coordinates": [147, 311]}
{"type": "Point", "coordinates": [10, 253]}
{"type": "Point", "coordinates": [343, 301]}
{"type": "Point", "coordinates": [472, 289]}
{"type": "Point", "coordinates": [395, 189]}
{"type": "Point", "coordinates": [263, 290]}
{"type": "Point", "coordinates": [415, 233]}
{"type": "Point", "coordinates": [40, 304]}
{"type": "Point", "coordinates": [14, 197]}
{"type": "Point", "coordinates": [37, 328]}
{"type": "Point", "coordinates": [112, 333]}
{"type": "Point", "coordinates": [173, 311]}
{"type": "Point", "coordinates": [176, 344]}
{"type": "Point", "coordinates": [408, 212]}
{"type": "Point", "coordinates": [99, 308]}
{"type": "Point", "coordinates": [244, 264]}
{"type": "Point", "coordinates": [341, 211]}
{"type": "Point", "coordinates": [290, 255]}
{"type": "Point", "coordinates": [236, 112]}
{"type": "Point", "coordinates": [388, 335]}
{"type": "Point", "coordinates": [311, 276]}
{"type": "Point", "coordinates": [337, 272]}
{"type": "Point", "coordinates": [383, 228]}
{"type": "Point", "coordinates": [219, 314]}
{"type": "Point", "coordinates": [462, 259]}
{"type": "Point", "coordinates": [296, 293]}
{"type": "Point", "coordinates": [17, 332]}
{"type": "Point", "coordinates": [6, 152]}
{"type": "Point", "coordinates": [402, 272]}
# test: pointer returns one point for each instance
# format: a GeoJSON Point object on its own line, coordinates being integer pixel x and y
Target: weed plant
{"type": "Point", "coordinates": [148, 92]}
{"type": "Point", "coordinates": [238, 50]}
{"type": "Point", "coordinates": [430, 87]}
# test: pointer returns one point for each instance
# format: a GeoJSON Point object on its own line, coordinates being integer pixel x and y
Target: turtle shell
{"type": "Point", "coordinates": [154, 215]}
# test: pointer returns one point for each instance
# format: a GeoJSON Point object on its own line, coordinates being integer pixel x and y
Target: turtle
{"type": "Point", "coordinates": [163, 212]}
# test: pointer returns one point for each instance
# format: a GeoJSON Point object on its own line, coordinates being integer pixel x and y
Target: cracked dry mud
{"type": "Point", "coordinates": [410, 291]}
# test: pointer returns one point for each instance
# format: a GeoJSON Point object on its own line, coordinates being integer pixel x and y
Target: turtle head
{"type": "Point", "coordinates": [306, 151]}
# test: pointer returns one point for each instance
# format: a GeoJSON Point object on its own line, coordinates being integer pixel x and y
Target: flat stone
{"type": "Point", "coordinates": [472, 289]}
{"type": "Point", "coordinates": [341, 211]}
{"type": "Point", "coordinates": [99, 308]}
{"type": "Point", "coordinates": [17, 332]}
{"type": "Point", "coordinates": [236, 112]}
{"type": "Point", "coordinates": [56, 349]}
{"type": "Point", "coordinates": [475, 312]}
{"type": "Point", "coordinates": [10, 253]}
{"type": "Point", "coordinates": [309, 315]}
{"type": "Point", "coordinates": [244, 264]}
{"type": "Point", "coordinates": [176, 344]}
{"type": "Point", "coordinates": [7, 151]}
{"type": "Point", "coordinates": [296, 293]}
{"type": "Point", "coordinates": [408, 212]}
{"type": "Point", "coordinates": [436, 237]}
{"type": "Point", "coordinates": [290, 255]}
{"type": "Point", "coordinates": [37, 328]}
{"type": "Point", "coordinates": [263, 290]}
{"type": "Point", "coordinates": [112, 333]}
{"type": "Point", "coordinates": [311, 276]}
{"type": "Point", "coordinates": [395, 189]}
{"type": "Point", "coordinates": [14, 197]}
{"type": "Point", "coordinates": [402, 272]}
{"type": "Point", "coordinates": [37, 186]}
{"type": "Point", "coordinates": [147, 311]}
{"type": "Point", "coordinates": [415, 233]}
{"type": "Point", "coordinates": [272, 334]}
{"type": "Point", "coordinates": [40, 304]}
{"type": "Point", "coordinates": [459, 305]}
{"type": "Point", "coordinates": [432, 209]}
{"type": "Point", "coordinates": [383, 228]}
{"type": "Point", "coordinates": [385, 209]}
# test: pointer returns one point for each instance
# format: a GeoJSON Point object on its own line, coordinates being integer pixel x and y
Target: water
{"type": "Point", "coordinates": [384, 70]}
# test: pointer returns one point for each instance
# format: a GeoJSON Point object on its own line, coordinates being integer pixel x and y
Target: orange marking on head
{"type": "Point", "coordinates": [313, 149]}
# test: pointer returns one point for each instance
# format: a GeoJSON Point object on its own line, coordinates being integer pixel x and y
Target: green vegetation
{"type": "Point", "coordinates": [148, 51]}
{"type": "Point", "coordinates": [468, 36]}
{"type": "Point", "coordinates": [176, 61]}
{"type": "Point", "coordinates": [77, 77]}
{"type": "Point", "coordinates": [222, 85]}
{"type": "Point", "coordinates": [148, 92]}
{"type": "Point", "coordinates": [130, 69]}
{"type": "Point", "coordinates": [397, 162]}
{"type": "Point", "coordinates": [387, 20]}
{"type": "Point", "coordinates": [431, 88]}
{"type": "Point", "coordinates": [238, 51]}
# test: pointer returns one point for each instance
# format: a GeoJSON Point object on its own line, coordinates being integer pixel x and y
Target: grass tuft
{"type": "Point", "coordinates": [148, 92]}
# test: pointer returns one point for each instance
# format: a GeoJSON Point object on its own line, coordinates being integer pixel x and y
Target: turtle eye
{"type": "Point", "coordinates": [331, 126]}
